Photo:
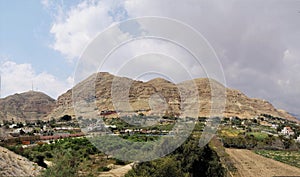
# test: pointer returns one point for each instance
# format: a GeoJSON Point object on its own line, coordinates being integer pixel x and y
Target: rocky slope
{"type": "Point", "coordinates": [26, 106]}
{"type": "Point", "coordinates": [161, 97]}
{"type": "Point", "coordinates": [12, 164]}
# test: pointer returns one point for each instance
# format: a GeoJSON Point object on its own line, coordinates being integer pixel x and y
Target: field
{"type": "Point", "coordinates": [228, 132]}
{"type": "Point", "coordinates": [258, 135]}
{"type": "Point", "coordinates": [250, 164]}
{"type": "Point", "coordinates": [288, 157]}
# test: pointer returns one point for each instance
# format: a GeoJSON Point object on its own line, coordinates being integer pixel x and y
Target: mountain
{"type": "Point", "coordinates": [295, 115]}
{"type": "Point", "coordinates": [160, 97]}
{"type": "Point", "coordinates": [29, 105]}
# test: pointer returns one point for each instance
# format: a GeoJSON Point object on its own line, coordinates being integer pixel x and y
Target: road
{"type": "Point", "coordinates": [117, 172]}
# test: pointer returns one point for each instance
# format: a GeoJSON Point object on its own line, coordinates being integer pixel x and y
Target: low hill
{"type": "Point", "coordinates": [29, 105]}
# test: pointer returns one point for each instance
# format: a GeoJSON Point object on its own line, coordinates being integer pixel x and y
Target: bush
{"type": "Point", "coordinates": [100, 169]}
{"type": "Point", "coordinates": [66, 165]}
{"type": "Point", "coordinates": [65, 118]}
{"type": "Point", "coordinates": [120, 162]}
{"type": "Point", "coordinates": [188, 160]}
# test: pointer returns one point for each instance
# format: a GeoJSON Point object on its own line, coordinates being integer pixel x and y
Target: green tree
{"type": "Point", "coordinates": [66, 165]}
{"type": "Point", "coordinates": [188, 160]}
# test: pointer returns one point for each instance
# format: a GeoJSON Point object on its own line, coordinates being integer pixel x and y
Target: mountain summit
{"type": "Point", "coordinates": [29, 105]}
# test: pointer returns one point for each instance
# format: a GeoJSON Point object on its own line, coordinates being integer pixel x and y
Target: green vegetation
{"type": "Point", "coordinates": [66, 165]}
{"type": "Point", "coordinates": [65, 118]}
{"type": "Point", "coordinates": [134, 139]}
{"type": "Point", "coordinates": [288, 157]}
{"type": "Point", "coordinates": [258, 135]}
{"type": "Point", "coordinates": [188, 160]}
{"type": "Point", "coordinates": [68, 156]}
{"type": "Point", "coordinates": [78, 157]}
{"type": "Point", "coordinates": [124, 123]}
{"type": "Point", "coordinates": [230, 132]}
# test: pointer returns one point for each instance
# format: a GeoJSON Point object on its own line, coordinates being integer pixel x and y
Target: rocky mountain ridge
{"type": "Point", "coordinates": [159, 96]}
{"type": "Point", "coordinates": [155, 97]}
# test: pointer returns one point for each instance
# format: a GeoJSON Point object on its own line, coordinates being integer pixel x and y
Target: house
{"type": "Point", "coordinates": [25, 130]}
{"type": "Point", "coordinates": [274, 126]}
{"type": "Point", "coordinates": [287, 131]}
{"type": "Point", "coordinates": [12, 125]}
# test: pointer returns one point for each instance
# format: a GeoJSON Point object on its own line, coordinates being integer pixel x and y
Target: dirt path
{"type": "Point", "coordinates": [118, 172]}
{"type": "Point", "coordinates": [250, 164]}
{"type": "Point", "coordinates": [12, 164]}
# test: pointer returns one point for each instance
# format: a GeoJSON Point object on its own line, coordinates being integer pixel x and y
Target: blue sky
{"type": "Point", "coordinates": [26, 54]}
{"type": "Point", "coordinates": [25, 37]}
{"type": "Point", "coordinates": [256, 41]}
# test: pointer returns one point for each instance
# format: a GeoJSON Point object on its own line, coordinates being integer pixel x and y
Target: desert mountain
{"type": "Point", "coordinates": [29, 105]}
{"type": "Point", "coordinates": [159, 96]}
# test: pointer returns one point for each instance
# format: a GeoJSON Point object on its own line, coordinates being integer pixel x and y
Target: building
{"type": "Point", "coordinates": [12, 125]}
{"type": "Point", "coordinates": [287, 131]}
{"type": "Point", "coordinates": [274, 126]}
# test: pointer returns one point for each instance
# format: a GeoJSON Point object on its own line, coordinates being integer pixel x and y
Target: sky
{"type": "Point", "coordinates": [257, 43]}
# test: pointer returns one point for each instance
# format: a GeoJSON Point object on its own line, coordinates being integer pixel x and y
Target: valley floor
{"type": "Point", "coordinates": [250, 164]}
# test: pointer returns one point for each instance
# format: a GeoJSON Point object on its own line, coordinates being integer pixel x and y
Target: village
{"type": "Point", "coordinates": [32, 133]}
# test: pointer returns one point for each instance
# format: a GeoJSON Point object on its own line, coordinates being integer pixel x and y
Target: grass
{"type": "Point", "coordinates": [230, 132]}
{"type": "Point", "coordinates": [288, 157]}
{"type": "Point", "coordinates": [258, 135]}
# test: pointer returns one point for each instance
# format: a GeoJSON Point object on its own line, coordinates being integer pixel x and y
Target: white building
{"type": "Point", "coordinates": [274, 126]}
{"type": "Point", "coordinates": [298, 139]}
{"type": "Point", "coordinates": [287, 131]}
{"type": "Point", "coordinates": [12, 125]}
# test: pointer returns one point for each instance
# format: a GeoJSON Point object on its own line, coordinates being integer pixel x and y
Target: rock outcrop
{"type": "Point", "coordinates": [12, 164]}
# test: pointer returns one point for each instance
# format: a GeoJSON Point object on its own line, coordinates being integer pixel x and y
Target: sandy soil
{"type": "Point", "coordinates": [117, 172]}
{"type": "Point", "coordinates": [250, 164]}
{"type": "Point", "coordinates": [12, 164]}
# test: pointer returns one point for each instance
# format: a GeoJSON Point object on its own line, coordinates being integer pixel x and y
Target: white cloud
{"type": "Point", "coordinates": [17, 78]}
{"type": "Point", "coordinates": [45, 3]}
{"type": "Point", "coordinates": [74, 29]}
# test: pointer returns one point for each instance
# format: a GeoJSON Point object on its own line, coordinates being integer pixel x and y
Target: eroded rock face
{"type": "Point", "coordinates": [242, 106]}
{"type": "Point", "coordinates": [12, 164]}
{"type": "Point", "coordinates": [26, 106]}
{"type": "Point", "coordinates": [161, 97]}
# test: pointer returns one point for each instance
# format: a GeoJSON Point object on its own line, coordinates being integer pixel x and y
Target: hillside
{"type": "Point", "coordinates": [12, 164]}
{"type": "Point", "coordinates": [29, 105]}
{"type": "Point", "coordinates": [159, 96]}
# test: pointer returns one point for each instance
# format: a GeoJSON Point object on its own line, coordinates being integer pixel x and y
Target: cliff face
{"type": "Point", "coordinates": [26, 106]}
{"type": "Point", "coordinates": [160, 97]}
